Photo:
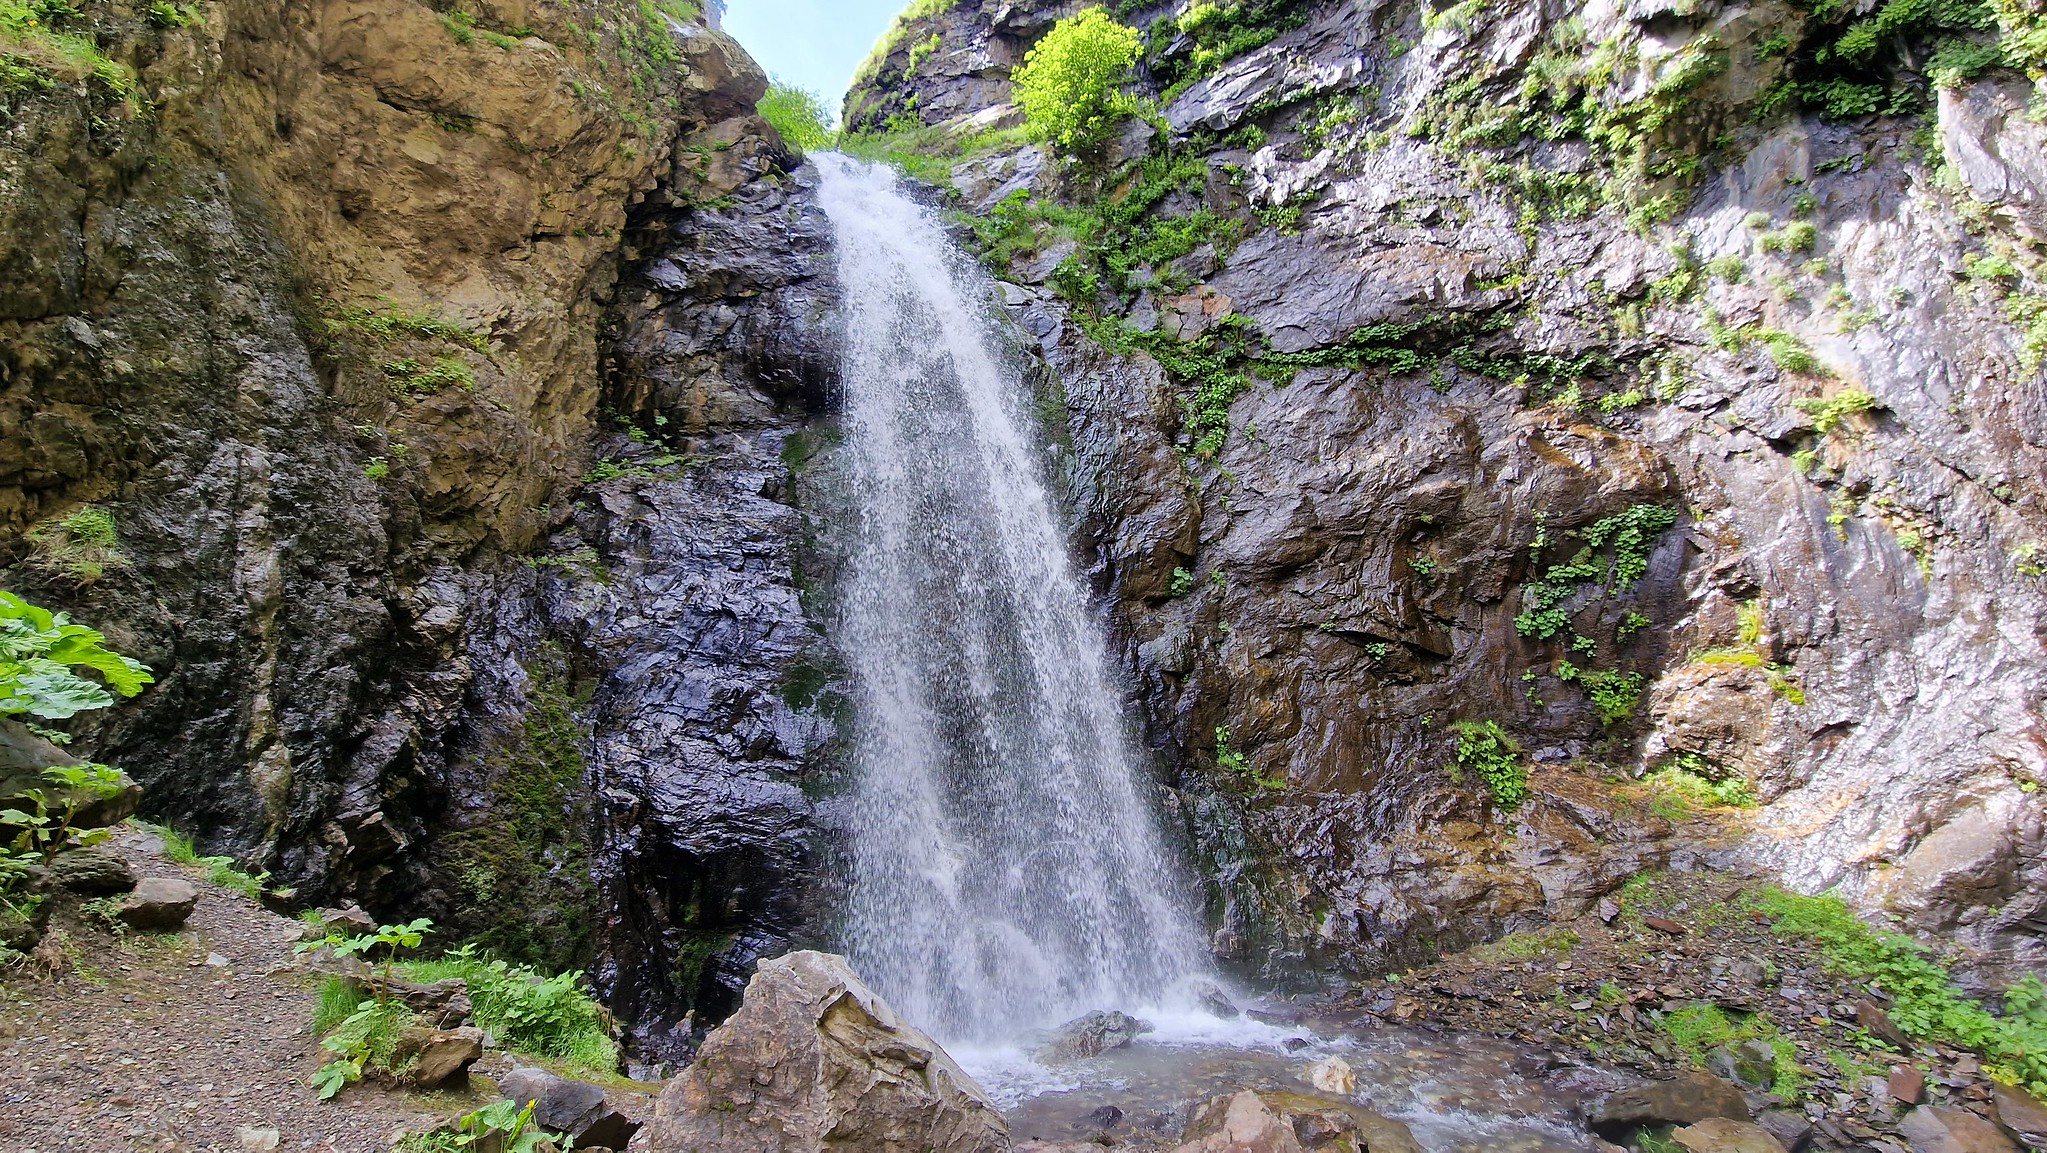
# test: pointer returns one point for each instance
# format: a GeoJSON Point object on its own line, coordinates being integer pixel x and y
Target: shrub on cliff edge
{"type": "Point", "coordinates": [1070, 83]}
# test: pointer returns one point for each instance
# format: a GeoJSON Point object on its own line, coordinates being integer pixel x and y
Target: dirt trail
{"type": "Point", "coordinates": [198, 1040]}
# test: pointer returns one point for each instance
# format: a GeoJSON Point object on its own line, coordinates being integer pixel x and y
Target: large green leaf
{"type": "Point", "coordinates": [40, 649]}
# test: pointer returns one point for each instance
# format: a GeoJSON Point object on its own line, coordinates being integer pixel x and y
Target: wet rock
{"type": "Point", "coordinates": [1720, 1135]}
{"type": "Point", "coordinates": [159, 904]}
{"type": "Point", "coordinates": [577, 1108]}
{"type": "Point", "coordinates": [1750, 1063]}
{"type": "Point", "coordinates": [1217, 1002]}
{"type": "Point", "coordinates": [1684, 1100]}
{"type": "Point", "coordinates": [439, 1057]}
{"type": "Point", "coordinates": [91, 873]}
{"type": "Point", "coordinates": [2021, 1114]}
{"type": "Point", "coordinates": [1093, 1034]}
{"type": "Point", "coordinates": [1940, 1130]}
{"type": "Point", "coordinates": [1333, 1075]}
{"type": "Point", "coordinates": [1105, 1116]}
{"type": "Point", "coordinates": [1250, 1122]}
{"type": "Point", "coordinates": [813, 1060]}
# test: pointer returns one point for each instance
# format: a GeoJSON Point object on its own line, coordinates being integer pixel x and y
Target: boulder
{"type": "Point", "coordinates": [2022, 1114]}
{"type": "Point", "coordinates": [1940, 1130]}
{"type": "Point", "coordinates": [577, 1108]}
{"type": "Point", "coordinates": [1249, 1122]}
{"type": "Point", "coordinates": [1721, 1135]}
{"type": "Point", "coordinates": [439, 1056]}
{"type": "Point", "coordinates": [814, 1059]}
{"type": "Point", "coordinates": [91, 873]}
{"type": "Point", "coordinates": [1750, 1063]}
{"type": "Point", "coordinates": [1216, 1002]}
{"type": "Point", "coordinates": [1684, 1100]}
{"type": "Point", "coordinates": [1092, 1035]}
{"type": "Point", "coordinates": [1788, 1126]}
{"type": "Point", "coordinates": [159, 904]}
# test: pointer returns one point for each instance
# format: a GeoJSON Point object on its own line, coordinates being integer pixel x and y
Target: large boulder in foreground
{"type": "Point", "coordinates": [1252, 1122]}
{"type": "Point", "coordinates": [815, 1060]}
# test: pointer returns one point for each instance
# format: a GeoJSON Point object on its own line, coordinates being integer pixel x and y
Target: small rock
{"type": "Point", "coordinates": [1609, 909]}
{"type": "Point", "coordinates": [1093, 1034]}
{"type": "Point", "coordinates": [216, 961]}
{"type": "Point", "coordinates": [1938, 1130]}
{"type": "Point", "coordinates": [258, 1140]}
{"type": "Point", "coordinates": [159, 904]}
{"type": "Point", "coordinates": [1106, 1116]}
{"type": "Point", "coordinates": [1296, 1044]}
{"type": "Point", "coordinates": [1878, 1024]}
{"type": "Point", "coordinates": [440, 1056]}
{"type": "Point", "coordinates": [1665, 925]}
{"type": "Point", "coordinates": [1249, 1122]}
{"type": "Point", "coordinates": [578, 1108]}
{"type": "Point", "coordinates": [1721, 1135]}
{"type": "Point", "coordinates": [91, 873]}
{"type": "Point", "coordinates": [2020, 1113]}
{"type": "Point", "coordinates": [1906, 1085]}
{"type": "Point", "coordinates": [1333, 1075]}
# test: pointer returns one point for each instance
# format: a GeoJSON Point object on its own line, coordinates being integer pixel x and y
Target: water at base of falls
{"type": "Point", "coordinates": [1007, 868]}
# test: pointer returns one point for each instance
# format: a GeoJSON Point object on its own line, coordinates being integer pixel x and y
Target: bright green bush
{"type": "Point", "coordinates": [1069, 84]}
{"type": "Point", "coordinates": [798, 115]}
{"type": "Point", "coordinates": [526, 1011]}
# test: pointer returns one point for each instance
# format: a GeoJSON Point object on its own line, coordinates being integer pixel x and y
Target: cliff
{"type": "Point", "coordinates": [1652, 388]}
{"type": "Point", "coordinates": [304, 399]}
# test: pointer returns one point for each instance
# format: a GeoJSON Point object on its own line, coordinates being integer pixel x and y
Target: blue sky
{"type": "Point", "coordinates": [814, 44]}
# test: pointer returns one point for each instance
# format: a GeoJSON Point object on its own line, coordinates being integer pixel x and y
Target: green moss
{"type": "Point", "coordinates": [523, 868]}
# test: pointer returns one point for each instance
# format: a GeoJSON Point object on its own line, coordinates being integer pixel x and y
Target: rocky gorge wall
{"type": "Point", "coordinates": [406, 386]}
{"type": "Point", "coordinates": [1430, 366]}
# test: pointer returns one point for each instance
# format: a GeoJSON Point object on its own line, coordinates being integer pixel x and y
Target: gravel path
{"type": "Point", "coordinates": [192, 1041]}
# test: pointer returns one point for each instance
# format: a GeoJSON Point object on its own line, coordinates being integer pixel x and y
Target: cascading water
{"type": "Point", "coordinates": [1007, 868]}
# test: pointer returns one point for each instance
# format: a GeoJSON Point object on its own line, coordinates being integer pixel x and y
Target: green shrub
{"type": "Point", "coordinates": [1827, 413]}
{"type": "Point", "coordinates": [1069, 84]}
{"type": "Point", "coordinates": [1925, 1002]}
{"type": "Point", "coordinates": [798, 115]}
{"type": "Point", "coordinates": [526, 1011]}
{"type": "Point", "coordinates": [1484, 748]}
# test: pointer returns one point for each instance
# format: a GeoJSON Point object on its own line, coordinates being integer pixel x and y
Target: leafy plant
{"type": "Point", "coordinates": [798, 115]}
{"type": "Point", "coordinates": [545, 1016]}
{"type": "Point", "coordinates": [1827, 413]}
{"type": "Point", "coordinates": [1069, 82]}
{"type": "Point", "coordinates": [1236, 763]}
{"type": "Point", "coordinates": [1181, 583]}
{"type": "Point", "coordinates": [1925, 1002]}
{"type": "Point", "coordinates": [500, 1125]}
{"type": "Point", "coordinates": [38, 651]}
{"type": "Point", "coordinates": [1484, 748]}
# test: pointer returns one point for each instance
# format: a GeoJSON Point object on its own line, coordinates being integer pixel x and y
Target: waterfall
{"type": "Point", "coordinates": [1007, 867]}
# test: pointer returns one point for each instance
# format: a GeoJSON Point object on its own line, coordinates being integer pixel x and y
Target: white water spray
{"type": "Point", "coordinates": [1008, 871]}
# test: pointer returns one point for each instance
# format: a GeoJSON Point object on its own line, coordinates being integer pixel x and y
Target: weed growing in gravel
{"type": "Point", "coordinates": [222, 871]}
{"type": "Point", "coordinates": [1697, 1029]}
{"type": "Point", "coordinates": [1924, 1000]}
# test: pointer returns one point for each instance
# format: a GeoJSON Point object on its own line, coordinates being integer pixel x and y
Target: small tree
{"type": "Point", "coordinates": [1070, 83]}
{"type": "Point", "coordinates": [799, 115]}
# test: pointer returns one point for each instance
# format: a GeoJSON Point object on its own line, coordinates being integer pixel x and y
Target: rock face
{"type": "Point", "coordinates": [1450, 375]}
{"type": "Point", "coordinates": [813, 1060]}
{"type": "Point", "coordinates": [335, 319]}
